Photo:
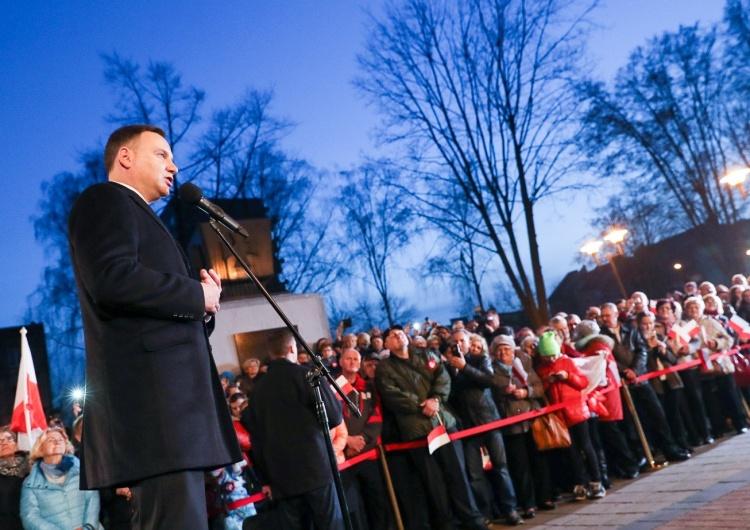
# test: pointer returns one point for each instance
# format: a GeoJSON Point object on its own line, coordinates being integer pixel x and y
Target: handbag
{"type": "Point", "coordinates": [550, 432]}
{"type": "Point", "coordinates": [741, 369]}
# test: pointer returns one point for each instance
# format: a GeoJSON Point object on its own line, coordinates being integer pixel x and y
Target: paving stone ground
{"type": "Point", "coordinates": [711, 490]}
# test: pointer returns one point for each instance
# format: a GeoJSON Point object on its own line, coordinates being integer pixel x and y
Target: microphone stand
{"type": "Point", "coordinates": [313, 377]}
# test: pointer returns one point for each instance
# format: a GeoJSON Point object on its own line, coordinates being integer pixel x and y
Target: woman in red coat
{"type": "Point", "coordinates": [607, 435]}
{"type": "Point", "coordinates": [564, 382]}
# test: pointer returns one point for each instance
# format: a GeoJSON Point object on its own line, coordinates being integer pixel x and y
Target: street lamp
{"type": "Point", "coordinates": [736, 178]}
{"type": "Point", "coordinates": [616, 237]}
{"type": "Point", "coordinates": [592, 248]}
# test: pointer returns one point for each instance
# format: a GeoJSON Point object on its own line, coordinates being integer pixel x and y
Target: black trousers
{"type": "Point", "coordinates": [364, 487]}
{"type": "Point", "coordinates": [652, 417]}
{"type": "Point", "coordinates": [582, 455]}
{"type": "Point", "coordinates": [173, 500]}
{"type": "Point", "coordinates": [319, 507]}
{"type": "Point", "coordinates": [446, 485]}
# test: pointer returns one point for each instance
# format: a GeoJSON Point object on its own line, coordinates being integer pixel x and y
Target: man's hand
{"type": "Point", "coordinates": [355, 444]}
{"type": "Point", "coordinates": [510, 389]}
{"type": "Point", "coordinates": [457, 361]}
{"type": "Point", "coordinates": [266, 490]}
{"type": "Point", "coordinates": [430, 407]}
{"type": "Point", "coordinates": [211, 284]}
{"type": "Point", "coordinates": [630, 375]}
{"type": "Point", "coordinates": [521, 393]}
{"type": "Point", "coordinates": [125, 492]}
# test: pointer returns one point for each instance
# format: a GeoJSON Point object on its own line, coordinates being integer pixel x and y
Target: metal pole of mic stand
{"type": "Point", "coordinates": [313, 377]}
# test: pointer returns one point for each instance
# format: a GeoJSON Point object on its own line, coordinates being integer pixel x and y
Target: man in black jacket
{"type": "Point", "coordinates": [144, 322]}
{"type": "Point", "coordinates": [631, 355]}
{"type": "Point", "coordinates": [472, 376]}
{"type": "Point", "coordinates": [289, 449]}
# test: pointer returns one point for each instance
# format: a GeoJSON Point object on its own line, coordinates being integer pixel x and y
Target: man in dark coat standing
{"type": "Point", "coordinates": [289, 447]}
{"type": "Point", "coordinates": [155, 412]}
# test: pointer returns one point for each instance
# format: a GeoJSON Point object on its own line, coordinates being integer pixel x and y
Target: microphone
{"type": "Point", "coordinates": [192, 194]}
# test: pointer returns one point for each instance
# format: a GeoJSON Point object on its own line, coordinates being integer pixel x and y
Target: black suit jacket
{"type": "Point", "coordinates": [288, 442]}
{"type": "Point", "coordinates": [154, 402]}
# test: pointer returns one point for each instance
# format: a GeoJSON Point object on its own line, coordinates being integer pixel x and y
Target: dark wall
{"type": "Point", "coordinates": [708, 253]}
{"type": "Point", "coordinates": [10, 359]}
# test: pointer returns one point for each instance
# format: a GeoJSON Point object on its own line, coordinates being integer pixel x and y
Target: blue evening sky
{"type": "Point", "coordinates": [53, 98]}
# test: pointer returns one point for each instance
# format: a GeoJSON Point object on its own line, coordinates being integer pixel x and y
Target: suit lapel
{"type": "Point", "coordinates": [152, 214]}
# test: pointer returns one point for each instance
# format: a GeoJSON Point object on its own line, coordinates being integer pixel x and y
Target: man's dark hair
{"type": "Point", "coordinates": [643, 314]}
{"type": "Point", "coordinates": [666, 301]}
{"type": "Point", "coordinates": [123, 136]}
{"type": "Point", "coordinates": [279, 342]}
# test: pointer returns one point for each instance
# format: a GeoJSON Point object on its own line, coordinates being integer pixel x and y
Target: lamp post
{"type": "Point", "coordinates": [616, 237]}
{"type": "Point", "coordinates": [737, 178]}
{"type": "Point", "coordinates": [592, 249]}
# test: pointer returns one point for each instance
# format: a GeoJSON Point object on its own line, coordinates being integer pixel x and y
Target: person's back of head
{"type": "Point", "coordinates": [279, 344]}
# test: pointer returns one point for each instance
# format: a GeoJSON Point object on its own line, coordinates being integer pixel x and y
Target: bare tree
{"type": "Point", "coordinates": [55, 302]}
{"type": "Point", "coordinates": [239, 157]}
{"type": "Point", "coordinates": [737, 64]}
{"type": "Point", "coordinates": [481, 92]}
{"type": "Point", "coordinates": [664, 126]}
{"type": "Point", "coordinates": [156, 96]}
{"type": "Point", "coordinates": [376, 216]}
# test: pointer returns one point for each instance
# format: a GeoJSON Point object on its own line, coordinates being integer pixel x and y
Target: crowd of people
{"type": "Point", "coordinates": [408, 380]}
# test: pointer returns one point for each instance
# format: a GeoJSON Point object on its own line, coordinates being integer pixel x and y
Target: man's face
{"type": "Point", "coordinates": [609, 317]}
{"type": "Point", "coordinates": [561, 330]}
{"type": "Point", "coordinates": [433, 343]}
{"type": "Point", "coordinates": [462, 341]}
{"type": "Point", "coordinates": [690, 288]}
{"type": "Point", "coordinates": [377, 343]}
{"type": "Point", "coordinates": [396, 340]}
{"type": "Point", "coordinates": [593, 313]}
{"type": "Point", "coordinates": [647, 326]}
{"type": "Point", "coordinates": [152, 169]}
{"type": "Point", "coordinates": [350, 362]}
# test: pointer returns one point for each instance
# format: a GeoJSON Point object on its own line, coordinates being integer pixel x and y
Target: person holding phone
{"type": "Point", "coordinates": [472, 378]}
{"type": "Point", "coordinates": [564, 382]}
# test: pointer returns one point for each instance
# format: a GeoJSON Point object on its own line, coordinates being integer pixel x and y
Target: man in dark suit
{"type": "Point", "coordinates": [155, 412]}
{"type": "Point", "coordinates": [288, 442]}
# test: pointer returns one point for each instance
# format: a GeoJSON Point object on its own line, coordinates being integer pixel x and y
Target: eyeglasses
{"type": "Point", "coordinates": [7, 440]}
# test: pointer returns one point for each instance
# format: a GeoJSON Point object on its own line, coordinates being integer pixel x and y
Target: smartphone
{"type": "Point", "coordinates": [347, 322]}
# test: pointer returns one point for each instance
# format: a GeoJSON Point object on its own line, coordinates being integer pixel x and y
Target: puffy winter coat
{"type": "Point", "coordinates": [568, 389]}
{"type": "Point", "coordinates": [602, 345]}
{"type": "Point", "coordinates": [49, 506]}
{"type": "Point", "coordinates": [405, 383]}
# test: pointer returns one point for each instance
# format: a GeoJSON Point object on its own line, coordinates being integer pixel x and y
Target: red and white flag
{"type": "Point", "coordinates": [684, 333]}
{"type": "Point", "coordinates": [345, 385]}
{"type": "Point", "coordinates": [652, 306]}
{"type": "Point", "coordinates": [740, 326]}
{"type": "Point", "coordinates": [437, 438]}
{"type": "Point", "coordinates": [595, 370]}
{"type": "Point", "coordinates": [28, 418]}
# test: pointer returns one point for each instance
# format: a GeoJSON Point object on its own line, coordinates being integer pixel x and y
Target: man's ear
{"type": "Point", "coordinates": [125, 157]}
